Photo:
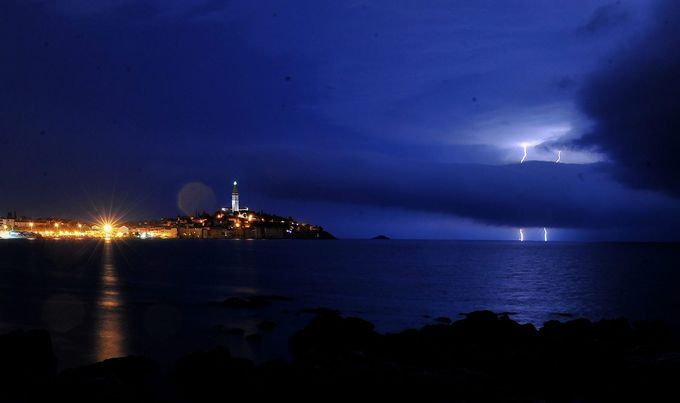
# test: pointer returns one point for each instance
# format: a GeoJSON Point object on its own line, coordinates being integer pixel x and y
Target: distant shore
{"type": "Point", "coordinates": [234, 223]}
{"type": "Point", "coordinates": [30, 236]}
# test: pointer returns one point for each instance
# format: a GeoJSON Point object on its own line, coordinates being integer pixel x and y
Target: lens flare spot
{"type": "Point", "coordinates": [196, 197]}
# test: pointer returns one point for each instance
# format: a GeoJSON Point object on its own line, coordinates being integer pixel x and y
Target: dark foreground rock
{"type": "Point", "coordinates": [483, 357]}
{"type": "Point", "coordinates": [267, 325]}
{"type": "Point", "coordinates": [126, 379]}
{"type": "Point", "coordinates": [27, 364]}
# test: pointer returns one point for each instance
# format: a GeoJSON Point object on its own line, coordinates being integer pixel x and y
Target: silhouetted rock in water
{"type": "Point", "coordinates": [126, 379]}
{"type": "Point", "coordinates": [442, 319]}
{"type": "Point", "coordinates": [487, 356]}
{"type": "Point", "coordinates": [507, 313]}
{"type": "Point", "coordinates": [254, 338]}
{"type": "Point", "coordinates": [330, 337]}
{"type": "Point", "coordinates": [235, 331]}
{"type": "Point", "coordinates": [246, 302]}
{"type": "Point", "coordinates": [267, 325]}
{"type": "Point", "coordinates": [655, 333]}
{"type": "Point", "coordinates": [381, 237]}
{"type": "Point", "coordinates": [320, 311]}
{"type": "Point", "coordinates": [253, 301]}
{"type": "Point", "coordinates": [27, 363]}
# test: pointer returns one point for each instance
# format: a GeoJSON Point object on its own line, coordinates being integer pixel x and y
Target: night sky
{"type": "Point", "coordinates": [404, 118]}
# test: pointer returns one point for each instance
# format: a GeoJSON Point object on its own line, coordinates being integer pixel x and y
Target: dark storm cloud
{"type": "Point", "coordinates": [565, 83]}
{"type": "Point", "coordinates": [634, 101]}
{"type": "Point", "coordinates": [533, 194]}
{"type": "Point", "coordinates": [605, 18]}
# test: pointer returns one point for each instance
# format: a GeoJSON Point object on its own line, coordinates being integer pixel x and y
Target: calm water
{"type": "Point", "coordinates": [102, 300]}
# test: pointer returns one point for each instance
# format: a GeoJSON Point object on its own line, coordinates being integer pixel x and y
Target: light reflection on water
{"type": "Point", "coordinates": [109, 314]}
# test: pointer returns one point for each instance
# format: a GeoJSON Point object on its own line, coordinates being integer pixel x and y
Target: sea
{"type": "Point", "coordinates": [163, 298]}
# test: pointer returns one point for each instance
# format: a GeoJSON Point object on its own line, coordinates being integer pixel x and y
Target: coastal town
{"type": "Point", "coordinates": [233, 222]}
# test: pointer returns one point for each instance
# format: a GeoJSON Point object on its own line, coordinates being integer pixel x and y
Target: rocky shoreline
{"type": "Point", "coordinates": [483, 357]}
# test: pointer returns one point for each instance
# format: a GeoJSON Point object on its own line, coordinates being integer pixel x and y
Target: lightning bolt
{"type": "Point", "coordinates": [524, 157]}
{"type": "Point", "coordinates": [559, 156]}
{"type": "Point", "coordinates": [521, 235]}
{"type": "Point", "coordinates": [545, 234]}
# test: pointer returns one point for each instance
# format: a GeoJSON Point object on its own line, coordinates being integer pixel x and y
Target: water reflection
{"type": "Point", "coordinates": [109, 314]}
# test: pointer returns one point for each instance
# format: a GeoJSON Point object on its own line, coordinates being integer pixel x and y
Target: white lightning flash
{"type": "Point", "coordinates": [559, 156]}
{"type": "Point", "coordinates": [545, 234]}
{"type": "Point", "coordinates": [524, 156]}
{"type": "Point", "coordinates": [521, 235]}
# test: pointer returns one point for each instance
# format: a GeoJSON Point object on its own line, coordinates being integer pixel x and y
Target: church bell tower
{"type": "Point", "coordinates": [234, 198]}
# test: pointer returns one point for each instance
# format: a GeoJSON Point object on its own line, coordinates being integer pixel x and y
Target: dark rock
{"type": "Point", "coordinates": [321, 311]}
{"type": "Point", "coordinates": [129, 379]}
{"type": "Point", "coordinates": [202, 376]}
{"type": "Point", "coordinates": [235, 331]}
{"type": "Point", "coordinates": [267, 325]}
{"type": "Point", "coordinates": [652, 333]}
{"type": "Point", "coordinates": [246, 302]}
{"type": "Point", "coordinates": [481, 316]}
{"type": "Point", "coordinates": [27, 363]}
{"type": "Point", "coordinates": [254, 338]}
{"type": "Point", "coordinates": [330, 338]}
{"type": "Point", "coordinates": [613, 330]}
{"type": "Point", "coordinates": [276, 297]}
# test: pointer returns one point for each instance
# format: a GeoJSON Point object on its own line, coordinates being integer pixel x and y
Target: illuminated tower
{"type": "Point", "coordinates": [234, 198]}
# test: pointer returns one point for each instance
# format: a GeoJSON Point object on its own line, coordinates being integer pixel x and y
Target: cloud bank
{"type": "Point", "coordinates": [633, 103]}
